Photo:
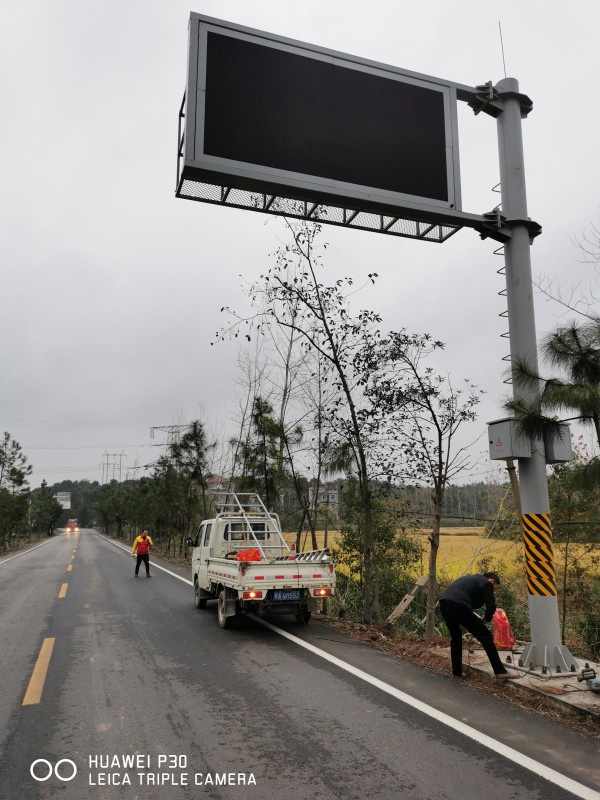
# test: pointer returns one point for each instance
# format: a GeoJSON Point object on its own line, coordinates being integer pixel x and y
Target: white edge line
{"type": "Point", "coordinates": [551, 775]}
{"type": "Point", "coordinates": [539, 769]}
{"type": "Point", "coordinates": [154, 564]}
{"type": "Point", "coordinates": [35, 547]}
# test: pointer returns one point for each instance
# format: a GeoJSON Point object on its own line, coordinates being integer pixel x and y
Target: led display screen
{"type": "Point", "coordinates": [284, 110]}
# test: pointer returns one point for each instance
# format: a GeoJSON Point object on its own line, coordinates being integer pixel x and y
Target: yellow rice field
{"type": "Point", "coordinates": [462, 548]}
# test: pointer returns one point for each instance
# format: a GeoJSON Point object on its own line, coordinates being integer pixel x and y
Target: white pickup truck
{"type": "Point", "coordinates": [240, 559]}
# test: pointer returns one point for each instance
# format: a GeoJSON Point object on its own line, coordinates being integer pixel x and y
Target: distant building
{"type": "Point", "coordinates": [328, 496]}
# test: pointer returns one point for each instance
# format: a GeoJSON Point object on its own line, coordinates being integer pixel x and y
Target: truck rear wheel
{"type": "Point", "coordinates": [224, 622]}
{"type": "Point", "coordinates": [303, 616]}
{"type": "Point", "coordinates": [200, 601]}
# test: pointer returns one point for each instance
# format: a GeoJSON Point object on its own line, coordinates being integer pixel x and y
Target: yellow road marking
{"type": "Point", "coordinates": [33, 694]}
{"type": "Point", "coordinates": [70, 567]}
{"type": "Point", "coordinates": [72, 558]}
{"type": "Point", "coordinates": [63, 591]}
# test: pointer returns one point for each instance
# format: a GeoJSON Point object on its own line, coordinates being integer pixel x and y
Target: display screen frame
{"type": "Point", "coordinates": [213, 168]}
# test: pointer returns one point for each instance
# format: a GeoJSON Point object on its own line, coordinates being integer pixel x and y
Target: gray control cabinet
{"type": "Point", "coordinates": [504, 441]}
{"type": "Point", "coordinates": [558, 448]}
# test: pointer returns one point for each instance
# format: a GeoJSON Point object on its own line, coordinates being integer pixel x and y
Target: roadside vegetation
{"type": "Point", "coordinates": [25, 514]}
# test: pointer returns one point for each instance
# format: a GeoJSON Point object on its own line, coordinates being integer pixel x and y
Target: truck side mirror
{"type": "Point", "coordinates": [189, 543]}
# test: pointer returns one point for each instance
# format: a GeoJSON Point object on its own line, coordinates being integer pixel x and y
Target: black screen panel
{"type": "Point", "coordinates": [281, 110]}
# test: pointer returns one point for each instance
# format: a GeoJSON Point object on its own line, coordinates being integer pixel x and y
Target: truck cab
{"type": "Point", "coordinates": [72, 526]}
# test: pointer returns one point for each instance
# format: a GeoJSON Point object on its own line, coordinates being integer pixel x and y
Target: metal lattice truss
{"type": "Point", "coordinates": [191, 189]}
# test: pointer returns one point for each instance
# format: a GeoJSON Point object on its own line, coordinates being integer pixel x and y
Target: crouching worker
{"type": "Point", "coordinates": [456, 606]}
{"type": "Point", "coordinates": [142, 546]}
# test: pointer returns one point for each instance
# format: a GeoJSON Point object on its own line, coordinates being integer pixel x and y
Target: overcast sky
{"type": "Point", "coordinates": [111, 287]}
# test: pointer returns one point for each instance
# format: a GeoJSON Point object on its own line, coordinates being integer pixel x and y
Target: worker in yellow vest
{"type": "Point", "coordinates": [141, 548]}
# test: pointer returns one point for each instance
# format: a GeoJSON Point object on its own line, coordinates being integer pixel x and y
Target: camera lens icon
{"type": "Point", "coordinates": [45, 770]}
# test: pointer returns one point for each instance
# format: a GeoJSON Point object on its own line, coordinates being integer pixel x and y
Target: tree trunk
{"type": "Point", "coordinates": [596, 420]}
{"type": "Point", "coordinates": [313, 530]}
{"type": "Point", "coordinates": [299, 532]}
{"type": "Point", "coordinates": [565, 580]}
{"type": "Point", "coordinates": [514, 485]}
{"type": "Point", "coordinates": [370, 588]}
{"type": "Point", "coordinates": [434, 544]}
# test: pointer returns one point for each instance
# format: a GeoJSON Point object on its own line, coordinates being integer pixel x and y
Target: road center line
{"type": "Point", "coordinates": [63, 591]}
{"type": "Point", "coordinates": [36, 683]}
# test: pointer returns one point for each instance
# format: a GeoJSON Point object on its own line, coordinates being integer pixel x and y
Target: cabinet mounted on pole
{"type": "Point", "coordinates": [506, 441]}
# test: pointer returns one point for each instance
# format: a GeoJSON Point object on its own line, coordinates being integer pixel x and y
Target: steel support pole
{"type": "Point", "coordinates": [545, 649]}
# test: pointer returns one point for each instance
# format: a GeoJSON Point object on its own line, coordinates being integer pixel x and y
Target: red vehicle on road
{"type": "Point", "coordinates": [72, 526]}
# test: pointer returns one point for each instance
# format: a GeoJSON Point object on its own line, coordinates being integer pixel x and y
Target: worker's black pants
{"type": "Point", "coordinates": [457, 614]}
{"type": "Point", "coordinates": [146, 559]}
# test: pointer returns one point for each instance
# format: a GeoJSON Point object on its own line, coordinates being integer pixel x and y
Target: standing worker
{"type": "Point", "coordinates": [142, 545]}
{"type": "Point", "coordinates": [457, 604]}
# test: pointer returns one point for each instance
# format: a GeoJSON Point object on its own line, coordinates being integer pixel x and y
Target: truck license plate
{"type": "Point", "coordinates": [292, 594]}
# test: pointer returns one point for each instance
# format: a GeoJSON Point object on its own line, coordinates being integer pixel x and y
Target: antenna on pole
{"type": "Point", "coordinates": [502, 47]}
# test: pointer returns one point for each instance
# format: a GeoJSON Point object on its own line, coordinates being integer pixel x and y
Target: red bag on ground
{"type": "Point", "coordinates": [504, 638]}
{"type": "Point", "coordinates": [252, 554]}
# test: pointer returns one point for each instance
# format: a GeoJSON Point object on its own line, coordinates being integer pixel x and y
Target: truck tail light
{"type": "Point", "coordinates": [252, 594]}
{"type": "Point", "coordinates": [322, 592]}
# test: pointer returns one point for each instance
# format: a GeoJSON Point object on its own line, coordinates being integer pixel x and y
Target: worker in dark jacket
{"type": "Point", "coordinates": [457, 604]}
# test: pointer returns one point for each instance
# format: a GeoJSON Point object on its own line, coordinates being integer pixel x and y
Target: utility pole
{"type": "Point", "coordinates": [111, 464]}
{"type": "Point", "coordinates": [545, 649]}
{"type": "Point", "coordinates": [173, 432]}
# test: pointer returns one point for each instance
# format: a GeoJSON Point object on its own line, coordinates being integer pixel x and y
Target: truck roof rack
{"type": "Point", "coordinates": [249, 507]}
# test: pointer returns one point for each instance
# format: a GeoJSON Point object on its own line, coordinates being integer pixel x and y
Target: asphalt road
{"type": "Point", "coordinates": [134, 671]}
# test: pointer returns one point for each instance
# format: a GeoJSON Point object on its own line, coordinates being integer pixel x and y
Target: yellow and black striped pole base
{"type": "Point", "coordinates": [539, 555]}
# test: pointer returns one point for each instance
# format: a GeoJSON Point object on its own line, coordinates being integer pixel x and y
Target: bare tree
{"type": "Point", "coordinates": [582, 301]}
{"type": "Point", "coordinates": [432, 413]}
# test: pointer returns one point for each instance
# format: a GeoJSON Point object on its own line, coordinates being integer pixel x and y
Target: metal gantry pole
{"type": "Point", "coordinates": [545, 649]}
